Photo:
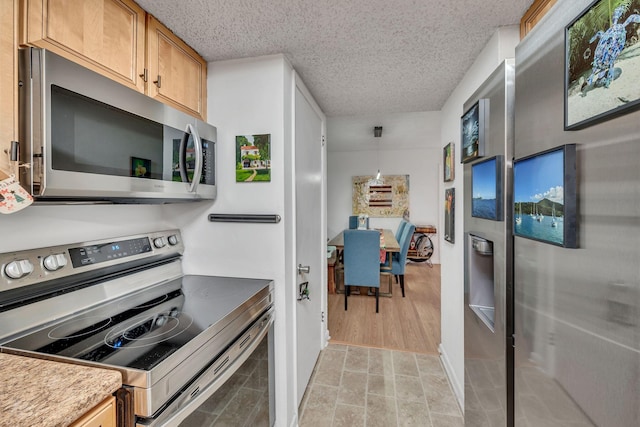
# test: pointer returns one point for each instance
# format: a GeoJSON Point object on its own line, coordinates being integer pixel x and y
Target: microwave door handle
{"type": "Point", "coordinates": [182, 157]}
{"type": "Point", "coordinates": [197, 173]}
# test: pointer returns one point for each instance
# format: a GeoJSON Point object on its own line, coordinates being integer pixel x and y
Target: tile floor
{"type": "Point", "coordinates": [360, 386]}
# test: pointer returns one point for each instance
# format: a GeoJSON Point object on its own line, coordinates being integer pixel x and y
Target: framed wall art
{"type": "Point", "coordinates": [601, 67]}
{"type": "Point", "coordinates": [545, 197]}
{"type": "Point", "coordinates": [450, 215]}
{"type": "Point", "coordinates": [472, 131]}
{"type": "Point", "coordinates": [486, 187]}
{"type": "Point", "coordinates": [253, 158]}
{"type": "Point", "coordinates": [448, 161]}
{"type": "Point", "coordinates": [140, 168]}
{"type": "Point", "coordinates": [384, 198]}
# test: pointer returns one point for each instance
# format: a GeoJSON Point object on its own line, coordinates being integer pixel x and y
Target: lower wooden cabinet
{"type": "Point", "coordinates": [103, 415]}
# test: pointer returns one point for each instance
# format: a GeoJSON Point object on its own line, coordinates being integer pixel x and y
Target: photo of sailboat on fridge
{"type": "Point", "coordinates": [539, 197]}
{"type": "Point", "coordinates": [539, 216]}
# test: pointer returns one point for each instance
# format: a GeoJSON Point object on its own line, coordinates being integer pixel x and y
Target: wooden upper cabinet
{"type": "Point", "coordinates": [106, 36]}
{"type": "Point", "coordinates": [8, 81]}
{"type": "Point", "coordinates": [118, 39]}
{"type": "Point", "coordinates": [533, 15]}
{"type": "Point", "coordinates": [177, 74]}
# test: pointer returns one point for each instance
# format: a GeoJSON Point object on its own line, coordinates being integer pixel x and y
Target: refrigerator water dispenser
{"type": "Point", "coordinates": [481, 279]}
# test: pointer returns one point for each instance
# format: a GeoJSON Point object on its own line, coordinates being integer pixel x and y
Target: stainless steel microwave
{"type": "Point", "coordinates": [88, 138]}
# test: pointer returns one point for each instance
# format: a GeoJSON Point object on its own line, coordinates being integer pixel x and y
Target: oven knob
{"type": "Point", "coordinates": [161, 320]}
{"type": "Point", "coordinates": [19, 268]}
{"type": "Point", "coordinates": [54, 262]}
{"type": "Point", "coordinates": [173, 240]}
{"type": "Point", "coordinates": [158, 242]}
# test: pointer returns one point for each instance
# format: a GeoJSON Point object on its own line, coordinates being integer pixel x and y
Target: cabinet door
{"type": "Point", "coordinates": [106, 36]}
{"type": "Point", "coordinates": [177, 74]}
{"type": "Point", "coordinates": [103, 415]}
{"type": "Point", "coordinates": [8, 79]}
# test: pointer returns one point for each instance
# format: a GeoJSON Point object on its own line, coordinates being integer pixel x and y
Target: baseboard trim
{"type": "Point", "coordinates": [458, 387]}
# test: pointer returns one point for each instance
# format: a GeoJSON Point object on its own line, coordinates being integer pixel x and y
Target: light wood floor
{"type": "Point", "coordinates": [411, 323]}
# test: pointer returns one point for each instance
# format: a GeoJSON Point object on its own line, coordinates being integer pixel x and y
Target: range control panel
{"type": "Point", "coordinates": [29, 267]}
{"type": "Point", "coordinates": [94, 254]}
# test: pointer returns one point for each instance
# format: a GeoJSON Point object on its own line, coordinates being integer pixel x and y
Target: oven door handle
{"type": "Point", "coordinates": [214, 377]}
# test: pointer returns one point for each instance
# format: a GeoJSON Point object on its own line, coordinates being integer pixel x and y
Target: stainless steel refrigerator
{"type": "Point", "coordinates": [487, 246]}
{"type": "Point", "coordinates": [576, 311]}
{"type": "Point", "coordinates": [552, 330]}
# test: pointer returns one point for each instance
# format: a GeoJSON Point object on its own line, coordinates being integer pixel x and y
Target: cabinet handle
{"type": "Point", "coordinates": [158, 82]}
{"type": "Point", "coordinates": [144, 75]}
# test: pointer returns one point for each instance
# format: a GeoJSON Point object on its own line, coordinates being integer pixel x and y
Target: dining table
{"type": "Point", "coordinates": [388, 245]}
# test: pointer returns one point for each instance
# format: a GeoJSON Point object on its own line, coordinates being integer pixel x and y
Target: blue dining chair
{"type": "Point", "coordinates": [399, 259]}
{"type": "Point", "coordinates": [353, 222]}
{"type": "Point", "coordinates": [361, 261]}
{"type": "Point", "coordinates": [403, 223]}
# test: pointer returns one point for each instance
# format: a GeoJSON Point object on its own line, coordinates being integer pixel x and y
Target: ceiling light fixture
{"type": "Point", "coordinates": [377, 133]}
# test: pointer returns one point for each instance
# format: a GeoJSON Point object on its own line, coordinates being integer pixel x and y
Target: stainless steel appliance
{"type": "Point", "coordinates": [87, 137]}
{"type": "Point", "coordinates": [576, 311]}
{"type": "Point", "coordinates": [488, 248]}
{"type": "Point", "coordinates": [124, 304]}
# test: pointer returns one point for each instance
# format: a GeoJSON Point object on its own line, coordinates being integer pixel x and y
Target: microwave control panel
{"type": "Point", "coordinates": [208, 163]}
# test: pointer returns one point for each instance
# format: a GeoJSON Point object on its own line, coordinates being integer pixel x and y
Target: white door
{"type": "Point", "coordinates": [309, 242]}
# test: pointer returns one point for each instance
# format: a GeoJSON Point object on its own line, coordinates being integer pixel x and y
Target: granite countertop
{"type": "Point", "coordinates": [42, 393]}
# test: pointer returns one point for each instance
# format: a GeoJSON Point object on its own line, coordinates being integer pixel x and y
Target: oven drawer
{"type": "Point", "coordinates": [204, 386]}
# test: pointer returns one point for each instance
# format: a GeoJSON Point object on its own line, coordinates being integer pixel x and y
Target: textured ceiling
{"type": "Point", "coordinates": [356, 57]}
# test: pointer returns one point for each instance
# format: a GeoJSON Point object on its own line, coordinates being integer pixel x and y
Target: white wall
{"type": "Point", "coordinates": [410, 145]}
{"type": "Point", "coordinates": [39, 226]}
{"type": "Point", "coordinates": [500, 46]}
{"type": "Point", "coordinates": [250, 96]}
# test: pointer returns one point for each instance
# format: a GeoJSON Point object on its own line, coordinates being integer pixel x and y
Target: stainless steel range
{"type": "Point", "coordinates": [124, 304]}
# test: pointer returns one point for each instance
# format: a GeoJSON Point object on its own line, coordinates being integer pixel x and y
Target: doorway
{"type": "Point", "coordinates": [410, 324]}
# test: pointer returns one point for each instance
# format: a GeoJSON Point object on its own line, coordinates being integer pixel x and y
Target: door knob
{"type": "Point", "coordinates": [303, 269]}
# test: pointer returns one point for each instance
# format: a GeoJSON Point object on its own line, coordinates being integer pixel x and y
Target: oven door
{"type": "Point", "coordinates": [235, 389]}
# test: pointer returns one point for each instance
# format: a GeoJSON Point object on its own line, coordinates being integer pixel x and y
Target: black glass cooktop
{"type": "Point", "coordinates": [141, 330]}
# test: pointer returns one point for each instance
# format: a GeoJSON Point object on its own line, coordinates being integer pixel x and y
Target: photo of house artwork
{"type": "Point", "coordinates": [253, 158]}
